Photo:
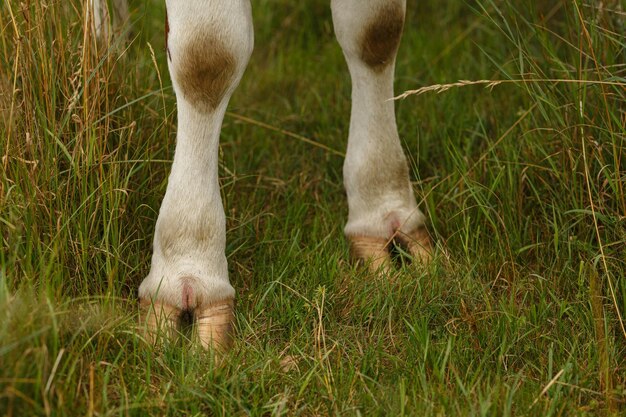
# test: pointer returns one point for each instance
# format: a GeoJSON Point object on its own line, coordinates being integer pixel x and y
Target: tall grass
{"type": "Point", "coordinates": [521, 314]}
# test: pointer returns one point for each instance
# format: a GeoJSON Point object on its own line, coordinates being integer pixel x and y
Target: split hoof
{"type": "Point", "coordinates": [214, 326]}
{"type": "Point", "coordinates": [211, 326]}
{"type": "Point", "coordinates": [373, 251]}
{"type": "Point", "coordinates": [160, 320]}
{"type": "Point", "coordinates": [418, 244]}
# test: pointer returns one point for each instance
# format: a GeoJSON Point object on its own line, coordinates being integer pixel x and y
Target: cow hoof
{"type": "Point", "coordinates": [159, 320]}
{"type": "Point", "coordinates": [211, 326]}
{"type": "Point", "coordinates": [372, 251]}
{"type": "Point", "coordinates": [214, 326]}
{"type": "Point", "coordinates": [418, 244]}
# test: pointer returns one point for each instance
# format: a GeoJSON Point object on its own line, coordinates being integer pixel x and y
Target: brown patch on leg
{"type": "Point", "coordinates": [372, 251]}
{"type": "Point", "coordinates": [381, 38]}
{"type": "Point", "coordinates": [380, 175]}
{"type": "Point", "coordinates": [172, 233]}
{"type": "Point", "coordinates": [205, 71]}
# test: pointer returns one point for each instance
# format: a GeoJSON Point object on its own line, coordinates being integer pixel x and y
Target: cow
{"type": "Point", "coordinates": [209, 43]}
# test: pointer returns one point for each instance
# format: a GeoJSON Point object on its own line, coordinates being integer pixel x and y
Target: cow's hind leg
{"type": "Point", "coordinates": [381, 203]}
{"type": "Point", "coordinates": [209, 44]}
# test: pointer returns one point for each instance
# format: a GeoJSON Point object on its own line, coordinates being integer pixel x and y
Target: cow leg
{"type": "Point", "coordinates": [208, 48]}
{"type": "Point", "coordinates": [381, 203]}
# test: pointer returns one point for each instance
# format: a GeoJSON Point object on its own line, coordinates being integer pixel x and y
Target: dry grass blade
{"type": "Point", "coordinates": [547, 387]}
{"type": "Point", "coordinates": [441, 88]}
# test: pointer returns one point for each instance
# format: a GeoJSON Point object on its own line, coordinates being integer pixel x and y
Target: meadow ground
{"type": "Point", "coordinates": [521, 315]}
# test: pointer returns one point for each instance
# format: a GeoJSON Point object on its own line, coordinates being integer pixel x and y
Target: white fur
{"type": "Point", "coordinates": [373, 141]}
{"type": "Point", "coordinates": [192, 215]}
{"type": "Point", "coordinates": [192, 199]}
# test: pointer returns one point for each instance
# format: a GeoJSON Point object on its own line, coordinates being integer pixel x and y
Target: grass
{"type": "Point", "coordinates": [523, 184]}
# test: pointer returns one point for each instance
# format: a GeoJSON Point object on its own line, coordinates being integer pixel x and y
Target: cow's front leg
{"type": "Point", "coordinates": [381, 203]}
{"type": "Point", "coordinates": [208, 48]}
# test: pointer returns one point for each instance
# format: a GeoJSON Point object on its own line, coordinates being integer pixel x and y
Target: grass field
{"type": "Point", "coordinates": [523, 183]}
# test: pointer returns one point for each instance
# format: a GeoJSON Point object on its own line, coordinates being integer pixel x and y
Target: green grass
{"type": "Point", "coordinates": [523, 185]}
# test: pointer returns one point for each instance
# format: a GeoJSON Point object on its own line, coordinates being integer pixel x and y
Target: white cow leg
{"type": "Point", "coordinates": [208, 48]}
{"type": "Point", "coordinates": [381, 203]}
